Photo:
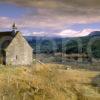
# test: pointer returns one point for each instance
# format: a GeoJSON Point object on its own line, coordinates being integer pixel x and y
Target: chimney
{"type": "Point", "coordinates": [14, 28]}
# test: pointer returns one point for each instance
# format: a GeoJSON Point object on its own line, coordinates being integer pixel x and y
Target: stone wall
{"type": "Point", "coordinates": [19, 52]}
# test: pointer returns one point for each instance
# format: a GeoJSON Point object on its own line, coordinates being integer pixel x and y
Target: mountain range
{"type": "Point", "coordinates": [66, 45]}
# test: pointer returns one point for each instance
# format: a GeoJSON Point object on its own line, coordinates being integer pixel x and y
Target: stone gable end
{"type": "Point", "coordinates": [19, 52]}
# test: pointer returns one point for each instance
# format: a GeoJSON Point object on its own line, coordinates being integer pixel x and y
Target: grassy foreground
{"type": "Point", "coordinates": [47, 82]}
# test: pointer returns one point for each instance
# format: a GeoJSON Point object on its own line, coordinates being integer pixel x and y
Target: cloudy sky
{"type": "Point", "coordinates": [65, 18]}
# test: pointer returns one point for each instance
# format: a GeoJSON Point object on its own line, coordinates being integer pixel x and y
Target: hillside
{"type": "Point", "coordinates": [67, 45]}
{"type": "Point", "coordinates": [46, 44]}
{"type": "Point", "coordinates": [95, 33]}
{"type": "Point", "coordinates": [49, 83]}
{"type": "Point", "coordinates": [93, 39]}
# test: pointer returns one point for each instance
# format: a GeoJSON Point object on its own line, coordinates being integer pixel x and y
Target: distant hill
{"type": "Point", "coordinates": [46, 44]}
{"type": "Point", "coordinates": [66, 45]}
{"type": "Point", "coordinates": [95, 33]}
{"type": "Point", "coordinates": [92, 37]}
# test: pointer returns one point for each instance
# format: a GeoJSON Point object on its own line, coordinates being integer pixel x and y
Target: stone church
{"type": "Point", "coordinates": [14, 49]}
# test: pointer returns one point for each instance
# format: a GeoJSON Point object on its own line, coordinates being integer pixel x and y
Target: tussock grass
{"type": "Point", "coordinates": [47, 82]}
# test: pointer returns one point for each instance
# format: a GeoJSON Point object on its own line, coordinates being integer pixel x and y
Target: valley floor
{"type": "Point", "coordinates": [48, 82]}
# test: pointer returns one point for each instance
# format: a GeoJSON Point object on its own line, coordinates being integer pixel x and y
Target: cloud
{"type": "Point", "coordinates": [54, 14]}
{"type": "Point", "coordinates": [52, 19]}
{"type": "Point", "coordinates": [58, 14]}
{"type": "Point", "coordinates": [62, 7]}
{"type": "Point", "coordinates": [5, 22]}
{"type": "Point", "coordinates": [63, 33]}
{"type": "Point", "coordinates": [68, 33]}
{"type": "Point", "coordinates": [66, 9]}
{"type": "Point", "coordinates": [73, 33]}
{"type": "Point", "coordinates": [56, 3]}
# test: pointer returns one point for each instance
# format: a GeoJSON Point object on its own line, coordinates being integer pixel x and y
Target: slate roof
{"type": "Point", "coordinates": [6, 33]}
{"type": "Point", "coordinates": [6, 41]}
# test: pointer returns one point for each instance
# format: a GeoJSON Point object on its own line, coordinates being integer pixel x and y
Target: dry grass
{"type": "Point", "coordinates": [47, 82]}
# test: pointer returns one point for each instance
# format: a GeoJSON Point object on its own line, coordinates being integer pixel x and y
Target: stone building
{"type": "Point", "coordinates": [14, 49]}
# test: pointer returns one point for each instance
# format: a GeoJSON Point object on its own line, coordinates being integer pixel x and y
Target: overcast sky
{"type": "Point", "coordinates": [51, 17]}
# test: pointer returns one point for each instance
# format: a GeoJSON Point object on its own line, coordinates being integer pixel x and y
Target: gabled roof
{"type": "Point", "coordinates": [5, 38]}
{"type": "Point", "coordinates": [18, 36]}
{"type": "Point", "coordinates": [6, 33]}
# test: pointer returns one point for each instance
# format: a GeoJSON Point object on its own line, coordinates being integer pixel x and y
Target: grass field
{"type": "Point", "coordinates": [48, 82]}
